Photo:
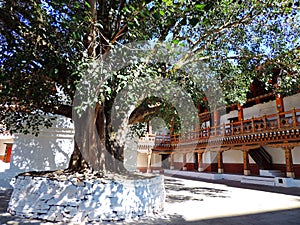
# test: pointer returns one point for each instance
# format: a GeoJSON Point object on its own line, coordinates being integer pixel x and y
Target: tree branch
{"type": "Point", "coordinates": [141, 112]}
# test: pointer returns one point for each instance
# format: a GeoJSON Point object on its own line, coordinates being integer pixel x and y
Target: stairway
{"type": "Point", "coordinates": [262, 158]}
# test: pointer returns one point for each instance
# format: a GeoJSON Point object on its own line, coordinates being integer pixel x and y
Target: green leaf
{"type": "Point", "coordinates": [175, 42]}
{"type": "Point", "coordinates": [156, 15]}
{"type": "Point", "coordinates": [200, 7]}
{"type": "Point", "coordinates": [87, 4]}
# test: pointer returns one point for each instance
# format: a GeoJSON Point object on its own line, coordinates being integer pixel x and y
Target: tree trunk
{"type": "Point", "coordinates": [95, 144]}
{"type": "Point", "coordinates": [114, 147]}
{"type": "Point", "coordinates": [77, 163]}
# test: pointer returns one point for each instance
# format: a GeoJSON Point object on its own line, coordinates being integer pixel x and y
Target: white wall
{"type": "Point", "coordinates": [264, 108]}
{"type": "Point", "coordinates": [141, 159]}
{"type": "Point", "coordinates": [233, 156]}
{"type": "Point", "coordinates": [190, 157]}
{"type": "Point", "coordinates": [260, 109]}
{"type": "Point", "coordinates": [156, 160]}
{"type": "Point", "coordinates": [178, 157]}
{"type": "Point", "coordinates": [224, 118]}
{"type": "Point", "coordinates": [296, 155]}
{"type": "Point", "coordinates": [51, 150]}
{"type": "Point", "coordinates": [291, 102]}
{"type": "Point", "coordinates": [278, 155]}
{"type": "Point", "coordinates": [210, 157]}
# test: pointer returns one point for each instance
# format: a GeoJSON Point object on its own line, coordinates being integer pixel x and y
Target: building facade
{"type": "Point", "coordinates": [260, 139]}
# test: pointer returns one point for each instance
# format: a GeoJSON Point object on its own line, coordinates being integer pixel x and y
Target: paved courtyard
{"type": "Point", "coordinates": [199, 202]}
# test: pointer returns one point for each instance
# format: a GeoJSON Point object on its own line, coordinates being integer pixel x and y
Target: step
{"type": "Point", "coordinates": [208, 176]}
{"type": "Point", "coordinates": [270, 173]}
{"type": "Point", "coordinates": [270, 181]}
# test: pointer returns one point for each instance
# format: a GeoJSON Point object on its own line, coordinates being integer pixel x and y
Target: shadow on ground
{"type": "Point", "coordinates": [285, 217]}
{"type": "Point", "coordinates": [178, 192]}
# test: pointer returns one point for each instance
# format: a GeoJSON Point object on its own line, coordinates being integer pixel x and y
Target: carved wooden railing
{"type": "Point", "coordinates": [254, 129]}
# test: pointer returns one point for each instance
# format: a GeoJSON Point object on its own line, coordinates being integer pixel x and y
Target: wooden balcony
{"type": "Point", "coordinates": [275, 130]}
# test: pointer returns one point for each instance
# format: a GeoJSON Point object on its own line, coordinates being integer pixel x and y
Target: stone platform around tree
{"type": "Point", "coordinates": [93, 200]}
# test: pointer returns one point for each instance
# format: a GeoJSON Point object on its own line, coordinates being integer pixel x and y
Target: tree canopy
{"type": "Point", "coordinates": [45, 46]}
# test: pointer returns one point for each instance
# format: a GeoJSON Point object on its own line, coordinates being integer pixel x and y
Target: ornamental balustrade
{"type": "Point", "coordinates": [268, 129]}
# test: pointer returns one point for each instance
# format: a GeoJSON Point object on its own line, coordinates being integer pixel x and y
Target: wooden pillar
{"type": "Point", "coordinates": [246, 163]}
{"type": "Point", "coordinates": [172, 161]}
{"type": "Point", "coordinates": [216, 118]}
{"type": "Point", "coordinates": [289, 162]}
{"type": "Point", "coordinates": [149, 155]}
{"type": "Point", "coordinates": [200, 162]}
{"type": "Point", "coordinates": [240, 113]}
{"type": "Point", "coordinates": [184, 161]}
{"type": "Point", "coordinates": [220, 162]}
{"type": "Point", "coordinates": [279, 103]}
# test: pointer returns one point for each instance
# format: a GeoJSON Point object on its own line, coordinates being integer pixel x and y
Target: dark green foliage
{"type": "Point", "coordinates": [45, 46]}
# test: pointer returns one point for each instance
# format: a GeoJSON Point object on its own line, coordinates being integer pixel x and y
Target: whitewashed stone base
{"type": "Point", "coordinates": [86, 201]}
{"type": "Point", "coordinates": [247, 172]}
{"type": "Point", "coordinates": [220, 170]}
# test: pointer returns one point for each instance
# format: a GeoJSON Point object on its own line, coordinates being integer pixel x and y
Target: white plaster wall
{"type": "Point", "coordinates": [260, 109]}
{"type": "Point", "coordinates": [264, 108]}
{"type": "Point", "coordinates": [210, 157]}
{"type": "Point", "coordinates": [141, 159]}
{"type": "Point", "coordinates": [156, 160]}
{"type": "Point", "coordinates": [51, 150]}
{"type": "Point", "coordinates": [296, 155]}
{"type": "Point", "coordinates": [178, 157]}
{"type": "Point", "coordinates": [224, 118]}
{"type": "Point", "coordinates": [233, 156]}
{"type": "Point", "coordinates": [278, 156]}
{"type": "Point", "coordinates": [291, 102]}
{"type": "Point", "coordinates": [190, 157]}
{"type": "Point", "coordinates": [251, 160]}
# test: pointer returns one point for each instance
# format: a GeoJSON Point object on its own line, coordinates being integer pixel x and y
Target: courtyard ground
{"type": "Point", "coordinates": [200, 202]}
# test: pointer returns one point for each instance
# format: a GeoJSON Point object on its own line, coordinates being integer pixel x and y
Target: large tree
{"type": "Point", "coordinates": [47, 46]}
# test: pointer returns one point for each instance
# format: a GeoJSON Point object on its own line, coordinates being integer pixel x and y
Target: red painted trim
{"type": "Point", "coordinates": [190, 166]}
{"type": "Point", "coordinates": [8, 153]}
{"type": "Point", "coordinates": [210, 167]}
